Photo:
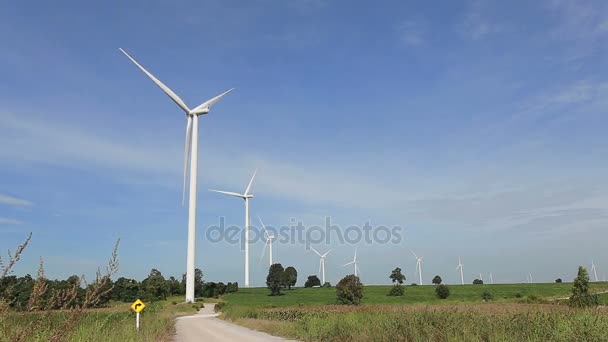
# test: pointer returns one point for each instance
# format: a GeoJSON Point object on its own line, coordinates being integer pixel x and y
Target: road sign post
{"type": "Point", "coordinates": [137, 306]}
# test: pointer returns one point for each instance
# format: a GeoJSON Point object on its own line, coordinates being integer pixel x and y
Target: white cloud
{"type": "Point", "coordinates": [4, 220]}
{"type": "Point", "coordinates": [477, 24]}
{"type": "Point", "coordinates": [5, 199]}
{"type": "Point", "coordinates": [411, 32]}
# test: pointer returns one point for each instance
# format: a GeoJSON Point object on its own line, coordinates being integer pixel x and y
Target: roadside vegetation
{"type": "Point", "coordinates": [480, 312]}
{"type": "Point", "coordinates": [39, 309]}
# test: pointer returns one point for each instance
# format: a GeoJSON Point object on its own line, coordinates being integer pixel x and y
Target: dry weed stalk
{"type": "Point", "coordinates": [13, 259]}
{"type": "Point", "coordinates": [36, 301]}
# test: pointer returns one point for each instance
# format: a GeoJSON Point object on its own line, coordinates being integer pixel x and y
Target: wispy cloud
{"type": "Point", "coordinates": [411, 32]}
{"type": "Point", "coordinates": [477, 24]}
{"type": "Point", "coordinates": [5, 199]}
{"type": "Point", "coordinates": [4, 220]}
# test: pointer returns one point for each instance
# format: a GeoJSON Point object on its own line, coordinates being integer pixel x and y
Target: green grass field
{"type": "Point", "coordinates": [114, 323]}
{"type": "Point", "coordinates": [513, 314]}
{"type": "Point", "coordinates": [259, 297]}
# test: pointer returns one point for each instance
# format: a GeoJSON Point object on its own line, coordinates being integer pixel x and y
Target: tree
{"type": "Point", "coordinates": [580, 291]}
{"type": "Point", "coordinates": [437, 280]}
{"type": "Point", "coordinates": [175, 288]}
{"type": "Point", "coordinates": [275, 279]}
{"type": "Point", "coordinates": [397, 277]}
{"type": "Point", "coordinates": [558, 280]}
{"type": "Point", "coordinates": [125, 290]}
{"type": "Point", "coordinates": [198, 283]}
{"type": "Point", "coordinates": [442, 291]}
{"type": "Point", "coordinates": [291, 277]}
{"type": "Point", "coordinates": [155, 286]}
{"type": "Point", "coordinates": [349, 290]}
{"type": "Point", "coordinates": [477, 282]}
{"type": "Point", "coordinates": [312, 281]}
{"type": "Point", "coordinates": [327, 284]}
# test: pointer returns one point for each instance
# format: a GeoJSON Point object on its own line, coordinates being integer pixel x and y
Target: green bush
{"type": "Point", "coordinates": [349, 290]}
{"type": "Point", "coordinates": [396, 290]}
{"type": "Point", "coordinates": [219, 306]}
{"type": "Point", "coordinates": [580, 292]}
{"type": "Point", "coordinates": [442, 291]}
{"type": "Point", "coordinates": [487, 296]}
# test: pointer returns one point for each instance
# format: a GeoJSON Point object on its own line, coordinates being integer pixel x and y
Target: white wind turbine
{"type": "Point", "coordinates": [480, 277]}
{"type": "Point", "coordinates": [269, 238]}
{"type": "Point", "coordinates": [491, 278]}
{"type": "Point", "coordinates": [529, 277]}
{"type": "Point", "coordinates": [321, 263]}
{"type": "Point", "coordinates": [191, 157]}
{"type": "Point", "coordinates": [418, 266]}
{"type": "Point", "coordinates": [594, 270]}
{"type": "Point", "coordinates": [245, 196]}
{"type": "Point", "coordinates": [460, 266]}
{"type": "Point", "coordinates": [354, 262]}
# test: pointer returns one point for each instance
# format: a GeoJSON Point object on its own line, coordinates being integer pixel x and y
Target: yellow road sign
{"type": "Point", "coordinates": [138, 306]}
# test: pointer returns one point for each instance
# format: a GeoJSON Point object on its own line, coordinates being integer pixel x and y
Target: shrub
{"type": "Point", "coordinates": [487, 296]}
{"type": "Point", "coordinates": [349, 290]}
{"type": "Point", "coordinates": [396, 290]}
{"type": "Point", "coordinates": [477, 282]}
{"type": "Point", "coordinates": [414, 284]}
{"type": "Point", "coordinates": [442, 291]}
{"type": "Point", "coordinates": [173, 303]}
{"type": "Point", "coordinates": [327, 284]}
{"type": "Point", "coordinates": [518, 295]}
{"type": "Point", "coordinates": [437, 280]}
{"type": "Point", "coordinates": [580, 292]}
{"type": "Point", "coordinates": [558, 280]}
{"type": "Point", "coordinates": [312, 281]}
{"type": "Point", "coordinates": [219, 306]}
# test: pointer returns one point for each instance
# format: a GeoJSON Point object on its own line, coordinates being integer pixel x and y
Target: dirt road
{"type": "Point", "coordinates": [205, 326]}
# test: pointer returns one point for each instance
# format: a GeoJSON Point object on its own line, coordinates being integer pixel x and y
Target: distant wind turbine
{"type": "Point", "coordinates": [460, 266]}
{"type": "Point", "coordinates": [593, 269]}
{"type": "Point", "coordinates": [354, 262]}
{"type": "Point", "coordinates": [480, 277]}
{"type": "Point", "coordinates": [491, 278]}
{"type": "Point", "coordinates": [245, 196]}
{"type": "Point", "coordinates": [190, 156]}
{"type": "Point", "coordinates": [418, 266]}
{"type": "Point", "coordinates": [321, 263]}
{"type": "Point", "coordinates": [530, 278]}
{"type": "Point", "coordinates": [269, 238]}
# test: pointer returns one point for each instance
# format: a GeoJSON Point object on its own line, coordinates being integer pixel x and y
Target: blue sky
{"type": "Point", "coordinates": [478, 126]}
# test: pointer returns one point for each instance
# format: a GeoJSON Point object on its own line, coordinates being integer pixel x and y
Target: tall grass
{"type": "Point", "coordinates": [431, 323]}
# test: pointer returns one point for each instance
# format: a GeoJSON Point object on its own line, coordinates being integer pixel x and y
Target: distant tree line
{"type": "Point", "coordinates": [71, 292]}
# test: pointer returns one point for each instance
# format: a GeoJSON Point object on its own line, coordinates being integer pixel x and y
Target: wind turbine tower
{"type": "Point", "coordinates": [269, 238]}
{"type": "Point", "coordinates": [190, 157]}
{"type": "Point", "coordinates": [245, 196]}
{"type": "Point", "coordinates": [594, 270]}
{"type": "Point", "coordinates": [460, 266]}
{"type": "Point", "coordinates": [354, 262]}
{"type": "Point", "coordinates": [321, 263]}
{"type": "Point", "coordinates": [418, 266]}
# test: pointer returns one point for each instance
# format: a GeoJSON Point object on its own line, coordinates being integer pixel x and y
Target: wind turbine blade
{"type": "Point", "coordinates": [263, 226]}
{"type": "Point", "coordinates": [355, 259]}
{"type": "Point", "coordinates": [263, 251]}
{"type": "Point", "coordinates": [326, 253]}
{"type": "Point", "coordinates": [178, 101]}
{"type": "Point", "coordinates": [350, 263]}
{"type": "Point", "coordinates": [319, 254]}
{"type": "Point", "coordinates": [228, 193]}
{"type": "Point", "coordinates": [186, 156]}
{"type": "Point", "coordinates": [204, 107]}
{"type": "Point", "coordinates": [414, 253]}
{"type": "Point", "coordinates": [250, 182]}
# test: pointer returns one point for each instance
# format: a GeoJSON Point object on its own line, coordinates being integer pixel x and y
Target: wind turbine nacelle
{"type": "Point", "coordinates": [201, 111]}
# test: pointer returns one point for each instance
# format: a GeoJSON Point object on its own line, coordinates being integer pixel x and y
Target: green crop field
{"type": "Point", "coordinates": [514, 314]}
{"type": "Point", "coordinates": [516, 293]}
